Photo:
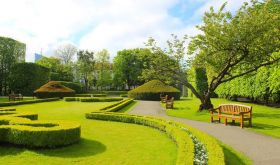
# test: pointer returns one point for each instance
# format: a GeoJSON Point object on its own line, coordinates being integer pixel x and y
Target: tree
{"type": "Point", "coordinates": [127, 66]}
{"type": "Point", "coordinates": [66, 53]}
{"type": "Point", "coordinates": [85, 67]}
{"type": "Point", "coordinates": [103, 68]}
{"type": "Point", "coordinates": [11, 52]}
{"type": "Point", "coordinates": [58, 71]}
{"type": "Point", "coordinates": [228, 47]}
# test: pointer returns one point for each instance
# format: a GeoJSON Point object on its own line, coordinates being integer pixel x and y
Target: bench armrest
{"type": "Point", "coordinates": [213, 110]}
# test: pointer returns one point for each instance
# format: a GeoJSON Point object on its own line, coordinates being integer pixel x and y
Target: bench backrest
{"type": "Point", "coordinates": [234, 108]}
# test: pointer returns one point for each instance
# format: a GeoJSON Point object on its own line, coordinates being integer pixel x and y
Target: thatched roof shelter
{"type": "Point", "coordinates": [54, 89]}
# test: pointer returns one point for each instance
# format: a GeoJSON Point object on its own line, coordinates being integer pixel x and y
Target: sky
{"type": "Point", "coordinates": [44, 25]}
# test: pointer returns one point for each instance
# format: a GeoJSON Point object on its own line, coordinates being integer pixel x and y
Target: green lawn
{"type": "Point", "coordinates": [102, 142]}
{"type": "Point", "coordinates": [265, 119]}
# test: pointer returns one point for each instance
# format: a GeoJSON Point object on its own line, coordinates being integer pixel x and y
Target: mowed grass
{"type": "Point", "coordinates": [265, 119]}
{"type": "Point", "coordinates": [102, 142]}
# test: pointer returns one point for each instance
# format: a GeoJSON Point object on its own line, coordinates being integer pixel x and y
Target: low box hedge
{"type": "Point", "coordinates": [3, 104]}
{"type": "Point", "coordinates": [25, 130]}
{"type": "Point", "coordinates": [179, 132]}
{"type": "Point", "coordinates": [99, 95]}
{"type": "Point", "coordinates": [83, 95]}
{"type": "Point", "coordinates": [71, 99]}
{"type": "Point", "coordinates": [100, 99]}
{"type": "Point", "coordinates": [183, 141]}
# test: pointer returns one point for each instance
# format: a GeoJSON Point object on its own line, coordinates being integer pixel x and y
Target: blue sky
{"type": "Point", "coordinates": [96, 24]}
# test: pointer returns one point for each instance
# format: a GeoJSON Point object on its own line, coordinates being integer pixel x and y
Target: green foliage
{"type": "Point", "coordinates": [58, 71]}
{"type": "Point", "coordinates": [103, 69]}
{"type": "Point", "coordinates": [117, 106]}
{"type": "Point", "coordinates": [11, 52]}
{"type": "Point", "coordinates": [27, 77]}
{"type": "Point", "coordinates": [128, 66]}
{"type": "Point", "coordinates": [86, 67]}
{"type": "Point", "coordinates": [27, 102]}
{"type": "Point", "coordinates": [83, 95]}
{"type": "Point", "coordinates": [100, 99]}
{"type": "Point", "coordinates": [99, 95]}
{"type": "Point", "coordinates": [263, 86]}
{"type": "Point", "coordinates": [54, 89]}
{"type": "Point", "coordinates": [201, 81]}
{"type": "Point", "coordinates": [180, 133]}
{"type": "Point", "coordinates": [71, 99]}
{"type": "Point", "coordinates": [75, 86]}
{"type": "Point", "coordinates": [21, 129]}
{"type": "Point", "coordinates": [152, 91]}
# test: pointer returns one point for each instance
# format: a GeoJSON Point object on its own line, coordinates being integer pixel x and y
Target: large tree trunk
{"type": "Point", "coordinates": [205, 103]}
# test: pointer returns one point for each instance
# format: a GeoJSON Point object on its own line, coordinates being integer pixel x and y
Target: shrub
{"type": "Point", "coordinates": [152, 91]}
{"type": "Point", "coordinates": [75, 86]}
{"type": "Point", "coordinates": [23, 129]}
{"type": "Point", "coordinates": [27, 102]}
{"type": "Point", "coordinates": [27, 77]}
{"type": "Point", "coordinates": [179, 132]}
{"type": "Point", "coordinates": [54, 89]}
{"type": "Point", "coordinates": [71, 99]}
{"type": "Point", "coordinates": [118, 106]}
{"type": "Point", "coordinates": [83, 95]}
{"type": "Point", "coordinates": [100, 99]}
{"type": "Point", "coordinates": [123, 95]}
{"type": "Point", "coordinates": [99, 95]}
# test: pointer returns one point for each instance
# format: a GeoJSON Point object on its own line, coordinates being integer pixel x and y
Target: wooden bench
{"type": "Point", "coordinates": [15, 97]}
{"type": "Point", "coordinates": [169, 103]}
{"type": "Point", "coordinates": [233, 112]}
{"type": "Point", "coordinates": [163, 99]}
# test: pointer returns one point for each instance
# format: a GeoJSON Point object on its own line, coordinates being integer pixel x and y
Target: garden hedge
{"type": "Point", "coordinates": [75, 86]}
{"type": "Point", "coordinates": [27, 102]}
{"type": "Point", "coordinates": [152, 91]}
{"type": "Point", "coordinates": [183, 136]}
{"type": "Point", "coordinates": [100, 99]}
{"type": "Point", "coordinates": [117, 106]}
{"type": "Point", "coordinates": [23, 129]}
{"type": "Point", "coordinates": [54, 89]}
{"type": "Point", "coordinates": [83, 95]}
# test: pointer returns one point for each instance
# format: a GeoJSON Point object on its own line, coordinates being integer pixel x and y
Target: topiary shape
{"type": "Point", "coordinates": [152, 91]}
{"type": "Point", "coordinates": [54, 89]}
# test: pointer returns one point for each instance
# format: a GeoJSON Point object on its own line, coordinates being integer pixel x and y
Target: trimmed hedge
{"type": "Point", "coordinates": [183, 141]}
{"type": "Point", "coordinates": [71, 99]}
{"type": "Point", "coordinates": [152, 91]}
{"type": "Point", "coordinates": [123, 95]}
{"type": "Point", "coordinates": [99, 95]}
{"type": "Point", "coordinates": [118, 106]}
{"type": "Point", "coordinates": [54, 89]}
{"type": "Point", "coordinates": [179, 132]}
{"type": "Point", "coordinates": [83, 95]}
{"type": "Point", "coordinates": [23, 129]}
{"type": "Point", "coordinates": [27, 102]}
{"type": "Point", "coordinates": [100, 99]}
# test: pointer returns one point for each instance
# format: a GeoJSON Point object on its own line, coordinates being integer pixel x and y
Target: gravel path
{"type": "Point", "coordinates": [263, 150]}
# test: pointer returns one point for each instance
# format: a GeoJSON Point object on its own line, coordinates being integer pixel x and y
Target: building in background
{"type": "Point", "coordinates": [38, 56]}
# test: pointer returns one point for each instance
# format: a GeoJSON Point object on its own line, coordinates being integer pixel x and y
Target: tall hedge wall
{"type": "Point", "coordinates": [263, 86]}
{"type": "Point", "coordinates": [26, 77]}
{"type": "Point", "coordinates": [75, 86]}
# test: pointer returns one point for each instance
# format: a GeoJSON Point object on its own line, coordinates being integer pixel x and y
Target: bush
{"type": "Point", "coordinates": [75, 86]}
{"type": "Point", "coordinates": [124, 95]}
{"type": "Point", "coordinates": [110, 93]}
{"type": "Point", "coordinates": [100, 99]}
{"type": "Point", "coordinates": [117, 106]}
{"type": "Point", "coordinates": [83, 95]}
{"type": "Point", "coordinates": [54, 89]}
{"type": "Point", "coordinates": [21, 129]}
{"type": "Point", "coordinates": [27, 102]}
{"type": "Point", "coordinates": [27, 77]}
{"type": "Point", "coordinates": [179, 132]}
{"type": "Point", "coordinates": [99, 95]}
{"type": "Point", "coordinates": [71, 99]}
{"type": "Point", "coordinates": [152, 91]}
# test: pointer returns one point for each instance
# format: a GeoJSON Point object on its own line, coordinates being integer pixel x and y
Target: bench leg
{"type": "Point", "coordinates": [225, 121]}
{"type": "Point", "coordinates": [219, 120]}
{"type": "Point", "coordinates": [241, 123]}
{"type": "Point", "coordinates": [250, 122]}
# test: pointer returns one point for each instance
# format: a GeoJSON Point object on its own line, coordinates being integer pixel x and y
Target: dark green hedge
{"type": "Point", "coordinates": [99, 95]}
{"type": "Point", "coordinates": [27, 102]}
{"type": "Point", "coordinates": [83, 95]}
{"type": "Point", "coordinates": [54, 94]}
{"type": "Point", "coordinates": [27, 77]}
{"type": "Point", "coordinates": [75, 86]}
{"type": "Point", "coordinates": [100, 99]}
{"type": "Point", "coordinates": [152, 90]}
{"type": "Point", "coordinates": [24, 130]}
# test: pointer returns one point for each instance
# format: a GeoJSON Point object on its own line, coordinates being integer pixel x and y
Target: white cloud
{"type": "Point", "coordinates": [93, 24]}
